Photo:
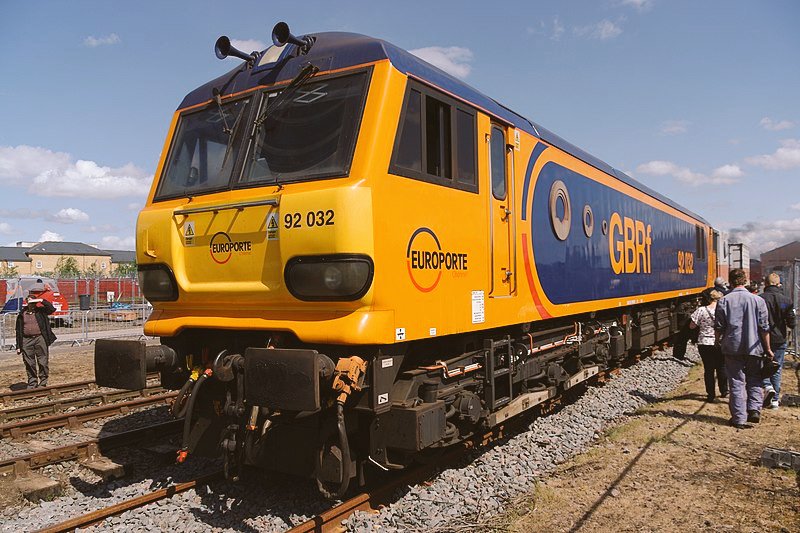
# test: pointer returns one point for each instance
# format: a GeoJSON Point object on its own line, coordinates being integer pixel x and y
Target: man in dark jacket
{"type": "Point", "coordinates": [34, 336]}
{"type": "Point", "coordinates": [781, 316]}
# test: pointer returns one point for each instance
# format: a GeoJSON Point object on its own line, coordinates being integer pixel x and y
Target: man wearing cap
{"type": "Point", "coordinates": [719, 285]}
{"type": "Point", "coordinates": [34, 336]}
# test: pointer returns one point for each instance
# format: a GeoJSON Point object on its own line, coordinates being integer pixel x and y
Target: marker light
{"type": "Point", "coordinates": [158, 283]}
{"type": "Point", "coordinates": [343, 277]}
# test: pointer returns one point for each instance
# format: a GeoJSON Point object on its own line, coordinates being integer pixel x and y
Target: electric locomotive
{"type": "Point", "coordinates": [354, 257]}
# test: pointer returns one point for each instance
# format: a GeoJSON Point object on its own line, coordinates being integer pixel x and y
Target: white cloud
{"type": "Point", "coordinates": [50, 236]}
{"type": "Point", "coordinates": [727, 172]}
{"type": "Point", "coordinates": [603, 30]}
{"type": "Point", "coordinates": [795, 206]}
{"type": "Point", "coordinates": [112, 242]}
{"type": "Point", "coordinates": [452, 59]}
{"type": "Point", "coordinates": [5, 228]}
{"type": "Point", "coordinates": [110, 39]}
{"type": "Point", "coordinates": [105, 228]}
{"type": "Point", "coordinates": [248, 45]}
{"type": "Point", "coordinates": [723, 175]}
{"type": "Point", "coordinates": [134, 206]}
{"type": "Point", "coordinates": [65, 216]}
{"type": "Point", "coordinates": [784, 158]}
{"type": "Point", "coordinates": [558, 29]}
{"type": "Point", "coordinates": [772, 125]}
{"type": "Point", "coordinates": [49, 173]}
{"type": "Point", "coordinates": [554, 32]}
{"type": "Point", "coordinates": [641, 5]}
{"type": "Point", "coordinates": [70, 215]}
{"type": "Point", "coordinates": [674, 127]}
{"type": "Point", "coordinates": [765, 236]}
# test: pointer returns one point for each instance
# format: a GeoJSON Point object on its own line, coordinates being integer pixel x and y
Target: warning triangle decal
{"type": "Point", "coordinates": [273, 223]}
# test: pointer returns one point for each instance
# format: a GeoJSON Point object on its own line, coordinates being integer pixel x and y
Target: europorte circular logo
{"type": "Point", "coordinates": [426, 260]}
{"type": "Point", "coordinates": [222, 247]}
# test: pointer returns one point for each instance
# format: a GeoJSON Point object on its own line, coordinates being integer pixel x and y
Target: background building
{"type": "Point", "coordinates": [780, 257]}
{"type": "Point", "coordinates": [65, 259]}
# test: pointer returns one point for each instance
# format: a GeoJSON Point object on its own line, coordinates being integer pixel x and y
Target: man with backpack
{"type": "Point", "coordinates": [781, 316]}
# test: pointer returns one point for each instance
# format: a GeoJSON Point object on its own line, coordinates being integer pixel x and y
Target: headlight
{"type": "Point", "coordinates": [158, 283]}
{"type": "Point", "coordinates": [343, 277]}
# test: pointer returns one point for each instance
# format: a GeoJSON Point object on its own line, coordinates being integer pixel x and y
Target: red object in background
{"type": "Point", "coordinates": [56, 298]}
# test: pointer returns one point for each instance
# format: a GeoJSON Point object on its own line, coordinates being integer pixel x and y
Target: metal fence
{"type": "Point", "coordinates": [83, 327]}
{"type": "Point", "coordinates": [100, 291]}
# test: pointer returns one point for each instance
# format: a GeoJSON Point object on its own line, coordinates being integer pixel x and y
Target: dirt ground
{"type": "Point", "coordinates": [67, 364]}
{"type": "Point", "coordinates": [676, 466]}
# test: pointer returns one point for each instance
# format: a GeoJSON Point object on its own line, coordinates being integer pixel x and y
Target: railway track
{"type": "Point", "coordinates": [9, 398]}
{"type": "Point", "coordinates": [87, 449]}
{"type": "Point", "coordinates": [56, 406]}
{"type": "Point", "coordinates": [76, 418]}
{"type": "Point", "coordinates": [95, 517]}
{"type": "Point", "coordinates": [331, 519]}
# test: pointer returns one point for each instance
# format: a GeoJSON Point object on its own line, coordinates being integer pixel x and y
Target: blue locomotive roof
{"type": "Point", "coordinates": [338, 50]}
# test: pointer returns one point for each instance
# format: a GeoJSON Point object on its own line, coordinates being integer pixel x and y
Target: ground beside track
{"type": "Point", "coordinates": [67, 364]}
{"type": "Point", "coordinates": [675, 466]}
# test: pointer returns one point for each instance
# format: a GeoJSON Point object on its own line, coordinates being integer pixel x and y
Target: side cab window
{"type": "Point", "coordinates": [436, 140]}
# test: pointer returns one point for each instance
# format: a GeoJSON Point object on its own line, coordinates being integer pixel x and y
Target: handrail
{"type": "Point", "coordinates": [223, 207]}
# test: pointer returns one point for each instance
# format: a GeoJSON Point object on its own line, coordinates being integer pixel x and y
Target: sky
{"type": "Point", "coordinates": [698, 100]}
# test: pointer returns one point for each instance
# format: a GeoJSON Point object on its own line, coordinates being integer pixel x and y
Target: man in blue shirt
{"type": "Point", "coordinates": [742, 326]}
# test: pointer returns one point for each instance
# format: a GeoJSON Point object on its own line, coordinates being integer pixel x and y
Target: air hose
{"type": "Point", "coordinates": [179, 407]}
{"type": "Point", "coordinates": [345, 447]}
{"type": "Point", "coordinates": [187, 421]}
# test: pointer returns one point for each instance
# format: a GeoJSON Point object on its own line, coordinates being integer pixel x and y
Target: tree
{"type": "Point", "coordinates": [93, 271]}
{"type": "Point", "coordinates": [67, 267]}
{"type": "Point", "coordinates": [125, 270]}
{"type": "Point", "coordinates": [8, 271]}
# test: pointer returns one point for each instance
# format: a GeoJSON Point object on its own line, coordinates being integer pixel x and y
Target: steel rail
{"type": "Point", "coordinates": [59, 405]}
{"type": "Point", "coordinates": [86, 449]}
{"type": "Point", "coordinates": [95, 517]}
{"type": "Point", "coordinates": [7, 398]}
{"type": "Point", "coordinates": [75, 418]}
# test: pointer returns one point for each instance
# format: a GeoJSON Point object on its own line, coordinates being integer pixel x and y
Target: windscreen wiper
{"type": "Point", "coordinates": [233, 134]}
{"type": "Point", "coordinates": [298, 81]}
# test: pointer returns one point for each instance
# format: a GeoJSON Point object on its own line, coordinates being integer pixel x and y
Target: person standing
{"type": "Point", "coordinates": [741, 322]}
{"type": "Point", "coordinates": [713, 367]}
{"type": "Point", "coordinates": [781, 316]}
{"type": "Point", "coordinates": [34, 336]}
{"type": "Point", "coordinates": [683, 335]}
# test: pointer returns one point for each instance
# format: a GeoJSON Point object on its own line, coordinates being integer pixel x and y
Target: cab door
{"type": "Point", "coordinates": [501, 217]}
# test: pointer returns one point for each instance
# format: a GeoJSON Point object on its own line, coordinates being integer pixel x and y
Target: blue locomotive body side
{"type": "Point", "coordinates": [633, 249]}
